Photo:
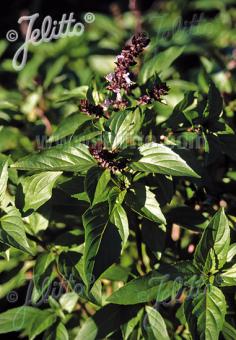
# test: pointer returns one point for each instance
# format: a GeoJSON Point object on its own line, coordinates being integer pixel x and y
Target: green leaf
{"type": "Point", "coordinates": [228, 331]}
{"type": "Point", "coordinates": [54, 70]}
{"type": "Point", "coordinates": [31, 319]}
{"type": "Point", "coordinates": [143, 201]}
{"type": "Point", "coordinates": [68, 126]}
{"type": "Point", "coordinates": [61, 332]}
{"type": "Point", "coordinates": [159, 63]}
{"type": "Point", "coordinates": [101, 64]}
{"type": "Point", "coordinates": [120, 220]}
{"type": "Point", "coordinates": [68, 301]}
{"type": "Point", "coordinates": [187, 217]}
{"type": "Point", "coordinates": [12, 230]}
{"type": "Point", "coordinates": [165, 188]}
{"type": "Point", "coordinates": [116, 273]}
{"type": "Point", "coordinates": [156, 327]}
{"type": "Point", "coordinates": [72, 156]}
{"type": "Point", "coordinates": [97, 184]}
{"type": "Point", "coordinates": [38, 220]}
{"type": "Point", "coordinates": [67, 263]}
{"type": "Point", "coordinates": [123, 126]}
{"type": "Point", "coordinates": [185, 272]}
{"type": "Point", "coordinates": [106, 320]}
{"type": "Point", "coordinates": [215, 103]}
{"type": "Point", "coordinates": [3, 180]}
{"type": "Point", "coordinates": [181, 111]}
{"type": "Point", "coordinates": [227, 143]}
{"type": "Point", "coordinates": [159, 284]}
{"type": "Point", "coordinates": [152, 286]}
{"type": "Point", "coordinates": [41, 323]}
{"type": "Point", "coordinates": [205, 313]}
{"type": "Point", "coordinates": [102, 242]}
{"type": "Point", "coordinates": [77, 93]}
{"type": "Point", "coordinates": [228, 277]}
{"type": "Point", "coordinates": [129, 327]}
{"type": "Point", "coordinates": [157, 158]}
{"type": "Point", "coordinates": [43, 274]}
{"type": "Point", "coordinates": [37, 189]}
{"type": "Point", "coordinates": [154, 235]}
{"type": "Point", "coordinates": [232, 252]}
{"type": "Point", "coordinates": [116, 196]}
{"type": "Point", "coordinates": [212, 249]}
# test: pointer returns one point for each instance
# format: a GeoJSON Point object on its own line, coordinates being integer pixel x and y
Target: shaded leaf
{"type": "Point", "coordinates": [215, 103]}
{"type": "Point", "coordinates": [97, 184]}
{"type": "Point", "coordinates": [106, 320]}
{"type": "Point", "coordinates": [43, 274]}
{"type": "Point", "coordinates": [143, 201]}
{"type": "Point", "coordinates": [102, 242]}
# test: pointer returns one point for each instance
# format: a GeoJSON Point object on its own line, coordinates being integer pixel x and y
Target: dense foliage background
{"type": "Point", "coordinates": [118, 208]}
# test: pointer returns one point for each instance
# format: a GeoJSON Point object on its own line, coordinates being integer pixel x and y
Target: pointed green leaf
{"type": "Point", "coordinates": [157, 158]}
{"type": "Point", "coordinates": [159, 284]}
{"type": "Point", "coordinates": [228, 277]}
{"type": "Point", "coordinates": [211, 252]}
{"type": "Point", "coordinates": [37, 189]}
{"type": "Point", "coordinates": [153, 286]}
{"type": "Point", "coordinates": [143, 201]}
{"type": "Point", "coordinates": [123, 126]}
{"type": "Point", "coordinates": [205, 313]}
{"type": "Point", "coordinates": [71, 156]}
{"type": "Point", "coordinates": [129, 327]}
{"type": "Point", "coordinates": [215, 103]}
{"type": "Point", "coordinates": [68, 126]}
{"type": "Point", "coordinates": [105, 321]}
{"type": "Point", "coordinates": [102, 242]}
{"type": "Point", "coordinates": [153, 236]}
{"type": "Point", "coordinates": [31, 319]}
{"type": "Point", "coordinates": [68, 301]}
{"type": "Point", "coordinates": [3, 179]}
{"type": "Point", "coordinates": [156, 327]}
{"type": "Point", "coordinates": [228, 331]}
{"type": "Point", "coordinates": [120, 220]}
{"type": "Point", "coordinates": [159, 63]}
{"type": "Point", "coordinates": [61, 332]}
{"type": "Point", "coordinates": [43, 274]}
{"type": "Point", "coordinates": [12, 230]}
{"type": "Point", "coordinates": [232, 252]}
{"type": "Point", "coordinates": [97, 184]}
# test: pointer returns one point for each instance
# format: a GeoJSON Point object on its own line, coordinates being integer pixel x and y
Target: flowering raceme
{"type": "Point", "coordinates": [120, 80]}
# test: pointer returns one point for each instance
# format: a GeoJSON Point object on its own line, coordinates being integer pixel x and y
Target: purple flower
{"type": "Point", "coordinates": [120, 79]}
{"type": "Point", "coordinates": [107, 159]}
{"type": "Point", "coordinates": [155, 93]}
{"type": "Point", "coordinates": [91, 109]}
